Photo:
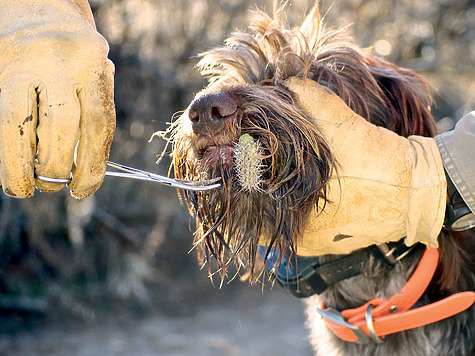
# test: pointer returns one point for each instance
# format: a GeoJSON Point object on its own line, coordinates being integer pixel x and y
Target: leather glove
{"type": "Point", "coordinates": [385, 187]}
{"type": "Point", "coordinates": [57, 115]}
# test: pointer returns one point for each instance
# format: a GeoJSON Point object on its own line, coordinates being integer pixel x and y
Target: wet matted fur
{"type": "Point", "coordinates": [248, 75]}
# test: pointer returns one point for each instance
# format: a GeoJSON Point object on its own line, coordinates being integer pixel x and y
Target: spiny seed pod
{"type": "Point", "coordinates": [248, 163]}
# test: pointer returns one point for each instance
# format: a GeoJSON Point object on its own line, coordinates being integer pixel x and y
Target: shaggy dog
{"type": "Point", "coordinates": [247, 95]}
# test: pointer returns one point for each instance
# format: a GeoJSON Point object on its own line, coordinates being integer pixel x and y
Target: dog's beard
{"type": "Point", "coordinates": [296, 164]}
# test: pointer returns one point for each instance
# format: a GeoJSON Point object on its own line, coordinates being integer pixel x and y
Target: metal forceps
{"type": "Point", "coordinates": [134, 173]}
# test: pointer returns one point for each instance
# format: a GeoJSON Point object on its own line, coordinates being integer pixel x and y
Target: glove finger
{"type": "Point", "coordinates": [97, 130]}
{"type": "Point", "coordinates": [18, 117]}
{"type": "Point", "coordinates": [57, 132]}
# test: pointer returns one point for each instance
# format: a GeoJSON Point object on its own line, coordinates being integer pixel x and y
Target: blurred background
{"type": "Point", "coordinates": [114, 269]}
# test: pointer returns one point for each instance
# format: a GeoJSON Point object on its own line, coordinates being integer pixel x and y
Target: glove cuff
{"type": "Point", "coordinates": [428, 194]}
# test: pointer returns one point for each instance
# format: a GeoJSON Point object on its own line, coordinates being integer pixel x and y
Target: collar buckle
{"type": "Point", "coordinates": [334, 316]}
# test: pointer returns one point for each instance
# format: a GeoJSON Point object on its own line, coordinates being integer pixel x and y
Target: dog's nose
{"type": "Point", "coordinates": [209, 112]}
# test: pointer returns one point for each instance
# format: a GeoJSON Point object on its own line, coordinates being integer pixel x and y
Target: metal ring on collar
{"type": "Point", "coordinates": [53, 180]}
{"type": "Point", "coordinates": [369, 323]}
{"type": "Point", "coordinates": [335, 316]}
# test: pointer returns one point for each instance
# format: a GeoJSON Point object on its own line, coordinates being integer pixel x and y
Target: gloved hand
{"type": "Point", "coordinates": [57, 113]}
{"type": "Point", "coordinates": [385, 187]}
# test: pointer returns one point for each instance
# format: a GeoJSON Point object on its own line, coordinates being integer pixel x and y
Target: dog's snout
{"type": "Point", "coordinates": [209, 112]}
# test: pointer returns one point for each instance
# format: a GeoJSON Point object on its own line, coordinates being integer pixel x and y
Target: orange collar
{"type": "Point", "coordinates": [380, 317]}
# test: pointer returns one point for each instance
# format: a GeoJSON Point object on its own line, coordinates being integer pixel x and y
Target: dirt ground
{"type": "Point", "coordinates": [244, 323]}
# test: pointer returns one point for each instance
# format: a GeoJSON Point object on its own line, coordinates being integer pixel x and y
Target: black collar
{"type": "Point", "coordinates": [306, 276]}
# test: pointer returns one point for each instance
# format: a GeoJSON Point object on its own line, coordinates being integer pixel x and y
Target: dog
{"type": "Point", "coordinates": [247, 95]}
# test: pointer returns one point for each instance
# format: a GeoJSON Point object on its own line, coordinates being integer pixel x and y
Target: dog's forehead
{"type": "Point", "coordinates": [296, 85]}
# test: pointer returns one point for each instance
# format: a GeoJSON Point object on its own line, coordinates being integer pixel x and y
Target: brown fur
{"type": "Point", "coordinates": [252, 69]}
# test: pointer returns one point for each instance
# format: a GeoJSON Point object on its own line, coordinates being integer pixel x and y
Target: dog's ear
{"type": "Point", "coordinates": [408, 100]}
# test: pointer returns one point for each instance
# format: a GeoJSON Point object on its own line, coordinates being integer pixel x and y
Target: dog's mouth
{"type": "Point", "coordinates": [217, 158]}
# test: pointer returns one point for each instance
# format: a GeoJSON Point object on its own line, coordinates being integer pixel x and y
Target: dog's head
{"type": "Point", "coordinates": [247, 94]}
